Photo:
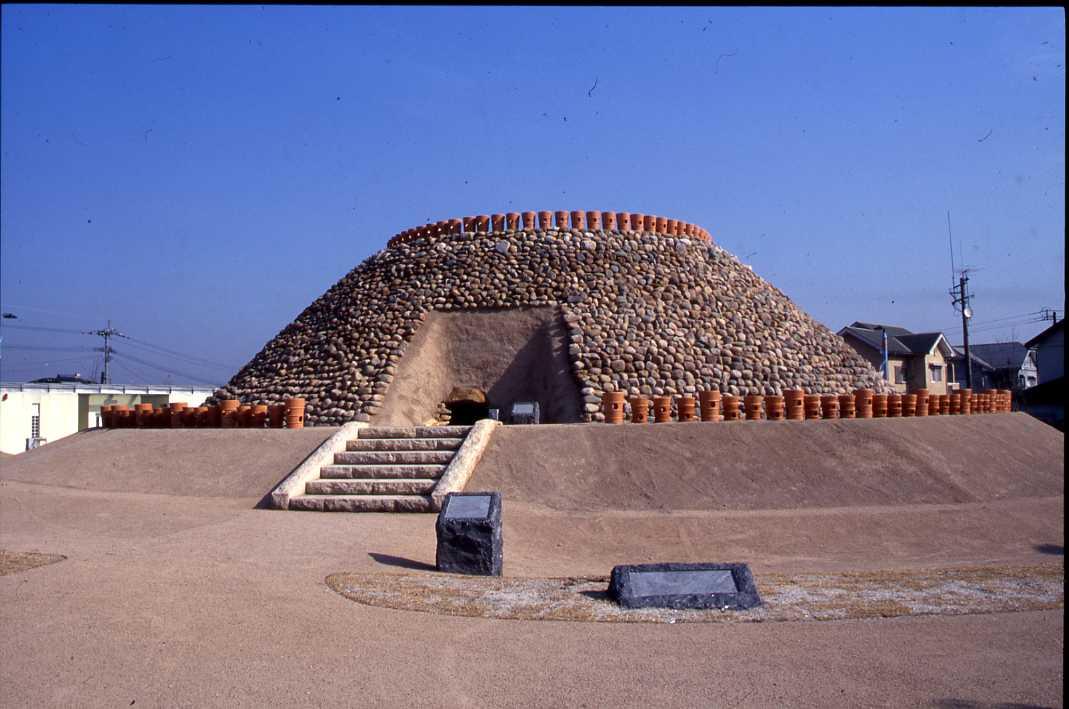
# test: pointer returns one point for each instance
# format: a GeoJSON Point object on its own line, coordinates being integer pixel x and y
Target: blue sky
{"type": "Point", "coordinates": [199, 175]}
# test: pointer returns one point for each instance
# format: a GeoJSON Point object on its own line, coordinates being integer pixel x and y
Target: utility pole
{"type": "Point", "coordinates": [107, 333]}
{"type": "Point", "coordinates": [961, 296]}
{"type": "Point", "coordinates": [1049, 314]}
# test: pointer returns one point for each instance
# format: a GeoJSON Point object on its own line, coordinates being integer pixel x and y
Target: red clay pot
{"type": "Point", "coordinates": [709, 401]}
{"type": "Point", "coordinates": [623, 221]}
{"type": "Point", "coordinates": [775, 407]}
{"type": "Point", "coordinates": [649, 223]}
{"type": "Point", "coordinates": [545, 221]}
{"type": "Point", "coordinates": [660, 225]}
{"type": "Point", "coordinates": [482, 223]}
{"type": "Point", "coordinates": [612, 405]}
{"type": "Point", "coordinates": [512, 221]}
{"type": "Point", "coordinates": [794, 404]}
{"type": "Point", "coordinates": [879, 406]}
{"type": "Point", "coordinates": [685, 409]}
{"type": "Point", "coordinates": [812, 407]}
{"type": "Point", "coordinates": [731, 407]}
{"type": "Point", "coordinates": [662, 409]}
{"type": "Point", "coordinates": [469, 224]}
{"type": "Point", "coordinates": [754, 406]}
{"type": "Point", "coordinates": [577, 219]}
{"type": "Point", "coordinates": [894, 405]}
{"type": "Point", "coordinates": [561, 219]}
{"type": "Point", "coordinates": [497, 221]}
{"type": "Point", "coordinates": [528, 221]}
{"type": "Point", "coordinates": [640, 409]}
{"type": "Point", "coordinates": [846, 406]}
{"type": "Point", "coordinates": [863, 403]}
{"type": "Point", "coordinates": [829, 406]}
{"type": "Point", "coordinates": [593, 221]}
{"type": "Point", "coordinates": [608, 221]}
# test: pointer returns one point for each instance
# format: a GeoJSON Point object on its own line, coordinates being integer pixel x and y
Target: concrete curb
{"type": "Point", "coordinates": [308, 470]}
{"type": "Point", "coordinates": [458, 473]}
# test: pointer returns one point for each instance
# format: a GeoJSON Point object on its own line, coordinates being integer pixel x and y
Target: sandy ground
{"type": "Point", "coordinates": [201, 600]}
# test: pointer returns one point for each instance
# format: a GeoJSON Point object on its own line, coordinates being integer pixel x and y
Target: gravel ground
{"type": "Point", "coordinates": [800, 597]}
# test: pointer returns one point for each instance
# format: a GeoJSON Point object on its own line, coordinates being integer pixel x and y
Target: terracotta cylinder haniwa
{"type": "Point", "coordinates": [754, 406]}
{"type": "Point", "coordinates": [545, 220]}
{"type": "Point", "coordinates": [105, 415]}
{"type": "Point", "coordinates": [608, 221]}
{"type": "Point", "coordinates": [577, 219]}
{"type": "Point", "coordinates": [863, 403]}
{"type": "Point", "coordinates": [453, 226]}
{"type": "Point", "coordinates": [670, 226]}
{"type": "Point", "coordinates": [638, 222]}
{"type": "Point", "coordinates": [1007, 400]}
{"type": "Point", "coordinates": [894, 405]}
{"type": "Point", "coordinates": [649, 222]}
{"type": "Point", "coordinates": [143, 415]}
{"type": "Point", "coordinates": [731, 407]}
{"type": "Point", "coordinates": [709, 403]}
{"type": "Point", "coordinates": [623, 221]}
{"type": "Point", "coordinates": [775, 407]}
{"type": "Point", "coordinates": [640, 409]}
{"type": "Point", "coordinates": [593, 221]}
{"type": "Point", "coordinates": [482, 223]}
{"type": "Point", "coordinates": [497, 222]}
{"type": "Point", "coordinates": [965, 397]}
{"type": "Point", "coordinates": [846, 406]}
{"type": "Point", "coordinates": [469, 224]}
{"type": "Point", "coordinates": [189, 417]}
{"type": "Point", "coordinates": [276, 415]}
{"type": "Point", "coordinates": [561, 218]}
{"type": "Point", "coordinates": [294, 413]}
{"type": "Point", "coordinates": [660, 225]}
{"type": "Point", "coordinates": [258, 416]}
{"type": "Point", "coordinates": [662, 409]}
{"type": "Point", "coordinates": [176, 409]}
{"type": "Point", "coordinates": [202, 417]}
{"type": "Point", "coordinates": [812, 406]}
{"type": "Point", "coordinates": [879, 406]}
{"type": "Point", "coordinates": [794, 404]}
{"type": "Point", "coordinates": [954, 403]}
{"type": "Point", "coordinates": [829, 406]}
{"type": "Point", "coordinates": [612, 405]}
{"type": "Point", "coordinates": [909, 405]}
{"type": "Point", "coordinates": [227, 407]}
{"type": "Point", "coordinates": [528, 221]}
{"type": "Point", "coordinates": [512, 221]}
{"type": "Point", "coordinates": [685, 409]}
{"type": "Point", "coordinates": [923, 397]}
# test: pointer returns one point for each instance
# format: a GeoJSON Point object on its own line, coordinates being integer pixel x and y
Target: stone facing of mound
{"type": "Point", "coordinates": [645, 313]}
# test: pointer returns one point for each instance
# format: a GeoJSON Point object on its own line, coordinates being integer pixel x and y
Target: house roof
{"type": "Point", "coordinates": [900, 341]}
{"type": "Point", "coordinates": [959, 353]}
{"type": "Point", "coordinates": [1046, 333]}
{"type": "Point", "coordinates": [1001, 355]}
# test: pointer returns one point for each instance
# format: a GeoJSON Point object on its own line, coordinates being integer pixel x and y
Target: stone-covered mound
{"type": "Point", "coordinates": [645, 313]}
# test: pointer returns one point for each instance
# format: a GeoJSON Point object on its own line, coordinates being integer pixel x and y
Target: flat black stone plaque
{"type": "Point", "coordinates": [467, 507]}
{"type": "Point", "coordinates": [684, 586]}
{"type": "Point", "coordinates": [469, 534]}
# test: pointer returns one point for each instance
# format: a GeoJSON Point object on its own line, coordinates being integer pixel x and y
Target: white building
{"type": "Point", "coordinates": [36, 414]}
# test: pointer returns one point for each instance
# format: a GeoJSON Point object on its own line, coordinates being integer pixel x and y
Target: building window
{"type": "Point", "coordinates": [936, 371]}
{"type": "Point", "coordinates": [900, 374]}
{"type": "Point", "coordinates": [35, 421]}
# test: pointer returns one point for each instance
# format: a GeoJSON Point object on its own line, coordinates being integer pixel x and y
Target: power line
{"type": "Point", "coordinates": [163, 350]}
{"type": "Point", "coordinates": [39, 328]}
{"type": "Point", "coordinates": [161, 368]}
{"type": "Point", "coordinates": [49, 348]}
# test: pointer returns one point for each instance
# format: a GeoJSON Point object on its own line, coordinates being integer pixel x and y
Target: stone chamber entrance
{"type": "Point", "coordinates": [515, 354]}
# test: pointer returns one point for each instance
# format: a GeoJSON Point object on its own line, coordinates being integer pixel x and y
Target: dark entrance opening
{"type": "Point", "coordinates": [519, 354]}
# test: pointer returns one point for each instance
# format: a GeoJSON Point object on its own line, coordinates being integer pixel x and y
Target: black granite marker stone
{"type": "Point", "coordinates": [684, 586]}
{"type": "Point", "coordinates": [469, 534]}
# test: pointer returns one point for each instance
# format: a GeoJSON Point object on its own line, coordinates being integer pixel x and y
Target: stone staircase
{"type": "Point", "coordinates": [384, 470]}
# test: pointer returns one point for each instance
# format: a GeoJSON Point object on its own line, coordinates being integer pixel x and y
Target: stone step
{"type": "Point", "coordinates": [363, 503]}
{"type": "Point", "coordinates": [404, 444]}
{"type": "Point", "coordinates": [393, 457]}
{"type": "Point", "coordinates": [414, 432]}
{"type": "Point", "coordinates": [336, 472]}
{"type": "Point", "coordinates": [365, 486]}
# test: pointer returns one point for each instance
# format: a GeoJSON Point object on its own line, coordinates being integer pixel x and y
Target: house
{"type": "Point", "coordinates": [915, 360]}
{"type": "Point", "coordinates": [34, 413]}
{"type": "Point", "coordinates": [1049, 346]}
{"type": "Point", "coordinates": [983, 373]}
{"type": "Point", "coordinates": [1046, 400]}
{"type": "Point", "coordinates": [1013, 366]}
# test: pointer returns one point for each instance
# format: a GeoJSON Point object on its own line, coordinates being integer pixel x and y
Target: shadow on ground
{"type": "Point", "coordinates": [1052, 549]}
{"type": "Point", "coordinates": [390, 560]}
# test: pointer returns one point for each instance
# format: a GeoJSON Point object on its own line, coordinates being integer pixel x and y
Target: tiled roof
{"type": "Point", "coordinates": [1001, 355]}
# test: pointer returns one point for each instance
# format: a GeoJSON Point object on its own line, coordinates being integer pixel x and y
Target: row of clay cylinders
{"type": "Point", "coordinates": [289, 414]}
{"type": "Point", "coordinates": [230, 413]}
{"type": "Point", "coordinates": [576, 219]}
